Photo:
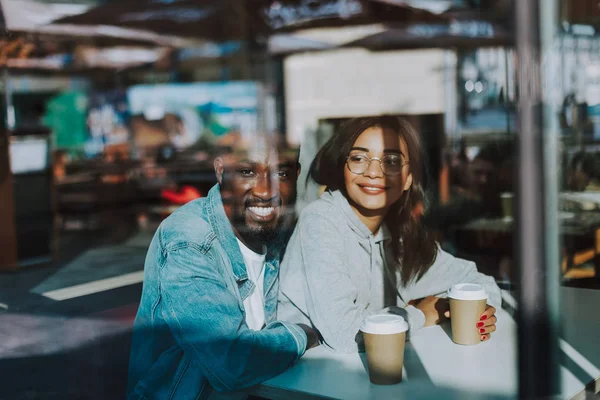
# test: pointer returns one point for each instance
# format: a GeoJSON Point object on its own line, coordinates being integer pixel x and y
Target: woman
{"type": "Point", "coordinates": [362, 235]}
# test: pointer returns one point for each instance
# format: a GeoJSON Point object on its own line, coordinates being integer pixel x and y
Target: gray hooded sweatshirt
{"type": "Point", "coordinates": [332, 275]}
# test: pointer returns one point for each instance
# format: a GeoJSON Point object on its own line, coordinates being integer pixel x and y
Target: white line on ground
{"type": "Point", "coordinates": [4, 306]}
{"type": "Point", "coordinates": [579, 359]}
{"type": "Point", "coordinates": [573, 354]}
{"type": "Point", "coordinates": [95, 287]}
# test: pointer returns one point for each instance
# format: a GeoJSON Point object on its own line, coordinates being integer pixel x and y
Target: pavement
{"type": "Point", "coordinates": [65, 327]}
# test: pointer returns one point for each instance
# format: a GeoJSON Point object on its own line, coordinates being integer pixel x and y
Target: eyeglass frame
{"type": "Point", "coordinates": [380, 160]}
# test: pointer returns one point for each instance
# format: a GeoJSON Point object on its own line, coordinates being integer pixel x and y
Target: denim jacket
{"type": "Point", "coordinates": [190, 334]}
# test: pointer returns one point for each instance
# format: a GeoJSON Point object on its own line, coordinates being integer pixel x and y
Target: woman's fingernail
{"type": "Point", "coordinates": [484, 317]}
{"type": "Point", "coordinates": [483, 338]}
{"type": "Point", "coordinates": [482, 330]}
{"type": "Point", "coordinates": [479, 324]}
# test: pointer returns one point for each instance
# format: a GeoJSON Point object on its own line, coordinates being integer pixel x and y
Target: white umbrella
{"type": "Point", "coordinates": [32, 17]}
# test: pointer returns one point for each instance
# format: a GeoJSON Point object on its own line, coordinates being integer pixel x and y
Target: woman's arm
{"type": "Point", "coordinates": [331, 296]}
{"type": "Point", "coordinates": [446, 271]}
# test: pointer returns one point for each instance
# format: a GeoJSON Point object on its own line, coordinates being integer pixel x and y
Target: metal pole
{"type": "Point", "coordinates": [506, 96]}
{"type": "Point", "coordinates": [8, 102]}
{"type": "Point", "coordinates": [538, 305]}
{"type": "Point", "coordinates": [279, 71]}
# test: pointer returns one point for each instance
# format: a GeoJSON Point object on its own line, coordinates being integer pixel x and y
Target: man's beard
{"type": "Point", "coordinates": [265, 234]}
{"type": "Point", "coordinates": [261, 234]}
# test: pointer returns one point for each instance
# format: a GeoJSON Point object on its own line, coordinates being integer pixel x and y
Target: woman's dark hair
{"type": "Point", "coordinates": [413, 246]}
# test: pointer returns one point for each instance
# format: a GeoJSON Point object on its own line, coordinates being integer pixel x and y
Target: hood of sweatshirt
{"type": "Point", "coordinates": [339, 200]}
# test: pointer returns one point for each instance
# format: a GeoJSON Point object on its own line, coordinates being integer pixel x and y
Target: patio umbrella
{"type": "Point", "coordinates": [214, 20]}
{"type": "Point", "coordinates": [449, 33]}
{"type": "Point", "coordinates": [30, 41]}
{"type": "Point", "coordinates": [227, 20]}
{"type": "Point", "coordinates": [34, 19]}
{"type": "Point", "coordinates": [453, 34]}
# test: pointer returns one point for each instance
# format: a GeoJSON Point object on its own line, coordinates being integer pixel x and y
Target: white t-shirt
{"type": "Point", "coordinates": [254, 304]}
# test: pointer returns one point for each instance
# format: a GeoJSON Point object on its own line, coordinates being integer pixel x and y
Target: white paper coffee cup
{"type": "Point", "coordinates": [384, 324]}
{"type": "Point", "coordinates": [506, 201]}
{"type": "Point", "coordinates": [467, 291]}
{"type": "Point", "coordinates": [467, 302]}
{"type": "Point", "coordinates": [385, 337]}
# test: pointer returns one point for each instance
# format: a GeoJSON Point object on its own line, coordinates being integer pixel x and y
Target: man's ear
{"type": "Point", "coordinates": [299, 168]}
{"type": "Point", "coordinates": [219, 167]}
{"type": "Point", "coordinates": [408, 182]}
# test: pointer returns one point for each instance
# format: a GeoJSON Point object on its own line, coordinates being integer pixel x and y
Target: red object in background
{"type": "Point", "coordinates": [124, 314]}
{"type": "Point", "coordinates": [183, 196]}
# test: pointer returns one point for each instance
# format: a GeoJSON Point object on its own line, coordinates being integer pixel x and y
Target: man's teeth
{"type": "Point", "coordinates": [262, 211]}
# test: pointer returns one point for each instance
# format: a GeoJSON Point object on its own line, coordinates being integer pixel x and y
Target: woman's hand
{"type": "Point", "coordinates": [486, 324]}
{"type": "Point", "coordinates": [432, 307]}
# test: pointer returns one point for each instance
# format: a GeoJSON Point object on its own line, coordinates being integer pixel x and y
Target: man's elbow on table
{"type": "Point", "coordinates": [242, 379]}
{"type": "Point", "coordinates": [223, 381]}
{"type": "Point", "coordinates": [256, 366]}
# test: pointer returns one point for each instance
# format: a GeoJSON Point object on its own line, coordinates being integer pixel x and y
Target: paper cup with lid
{"type": "Point", "coordinates": [384, 336]}
{"type": "Point", "coordinates": [467, 302]}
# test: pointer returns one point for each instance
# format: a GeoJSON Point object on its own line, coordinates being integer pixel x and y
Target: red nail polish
{"type": "Point", "coordinates": [484, 317]}
{"type": "Point", "coordinates": [481, 330]}
{"type": "Point", "coordinates": [483, 338]}
{"type": "Point", "coordinates": [479, 324]}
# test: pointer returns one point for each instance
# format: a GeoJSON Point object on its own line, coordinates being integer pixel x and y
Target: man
{"type": "Point", "coordinates": [206, 318]}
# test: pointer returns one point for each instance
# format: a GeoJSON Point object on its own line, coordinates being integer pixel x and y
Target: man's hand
{"type": "Point", "coordinates": [311, 335]}
{"type": "Point", "coordinates": [433, 308]}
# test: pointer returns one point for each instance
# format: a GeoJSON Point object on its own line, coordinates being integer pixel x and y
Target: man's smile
{"type": "Point", "coordinates": [263, 213]}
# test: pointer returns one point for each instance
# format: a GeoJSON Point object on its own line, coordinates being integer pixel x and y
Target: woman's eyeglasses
{"type": "Point", "coordinates": [390, 164]}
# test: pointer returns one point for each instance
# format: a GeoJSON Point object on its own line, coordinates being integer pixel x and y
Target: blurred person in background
{"type": "Point", "coordinates": [583, 173]}
{"type": "Point", "coordinates": [207, 314]}
{"type": "Point", "coordinates": [576, 177]}
{"type": "Point", "coordinates": [362, 247]}
{"type": "Point", "coordinates": [476, 188]}
{"type": "Point", "coordinates": [475, 194]}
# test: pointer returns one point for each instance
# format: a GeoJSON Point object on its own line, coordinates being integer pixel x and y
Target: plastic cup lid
{"type": "Point", "coordinates": [384, 324]}
{"type": "Point", "coordinates": [467, 291]}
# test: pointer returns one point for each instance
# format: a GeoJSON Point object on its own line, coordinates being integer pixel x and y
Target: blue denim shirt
{"type": "Point", "coordinates": [190, 333]}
